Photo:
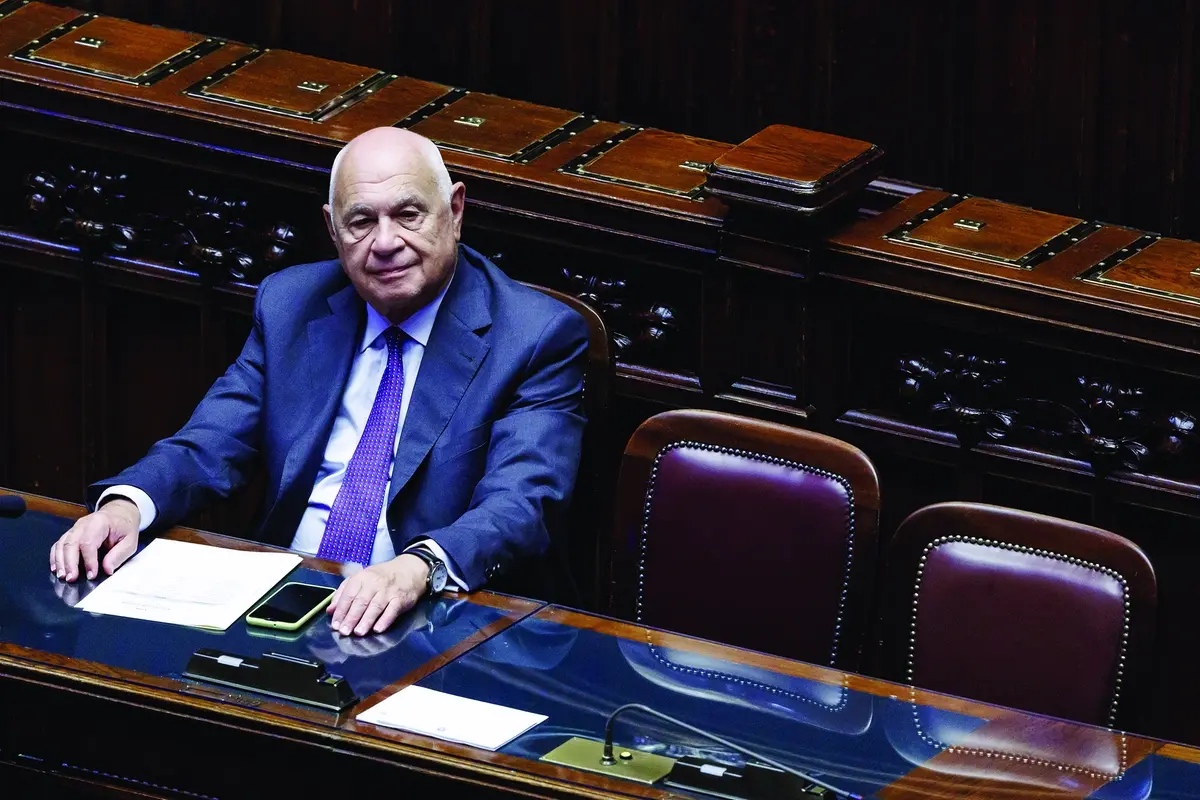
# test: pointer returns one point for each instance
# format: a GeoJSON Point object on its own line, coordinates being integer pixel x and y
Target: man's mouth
{"type": "Point", "coordinates": [390, 270]}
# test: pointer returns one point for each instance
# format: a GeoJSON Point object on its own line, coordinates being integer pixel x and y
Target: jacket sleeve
{"type": "Point", "coordinates": [532, 462]}
{"type": "Point", "coordinates": [211, 455]}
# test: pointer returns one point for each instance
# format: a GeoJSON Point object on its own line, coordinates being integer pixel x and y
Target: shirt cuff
{"type": "Point", "coordinates": [451, 571]}
{"type": "Point", "coordinates": [145, 505]}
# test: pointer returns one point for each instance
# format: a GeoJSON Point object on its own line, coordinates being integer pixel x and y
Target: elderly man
{"type": "Point", "coordinates": [415, 410]}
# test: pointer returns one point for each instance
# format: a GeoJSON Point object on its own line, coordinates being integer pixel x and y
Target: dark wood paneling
{"type": "Point", "coordinates": [766, 337]}
{"type": "Point", "coordinates": [44, 361]}
{"type": "Point", "coordinates": [1170, 542]}
{"type": "Point", "coordinates": [156, 372]}
{"type": "Point", "coordinates": [1003, 491]}
{"type": "Point", "coordinates": [1096, 98]}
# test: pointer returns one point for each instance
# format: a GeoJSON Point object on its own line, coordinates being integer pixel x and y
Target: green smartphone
{"type": "Point", "coordinates": [291, 606]}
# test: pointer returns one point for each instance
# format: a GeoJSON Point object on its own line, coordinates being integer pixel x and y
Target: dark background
{"type": "Point", "coordinates": [1083, 107]}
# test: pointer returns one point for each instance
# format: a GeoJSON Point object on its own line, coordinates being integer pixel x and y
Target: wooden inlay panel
{"type": "Point", "coordinates": [1008, 232]}
{"type": "Point", "coordinates": [275, 78]}
{"type": "Point", "coordinates": [492, 124]}
{"type": "Point", "coordinates": [654, 158]}
{"type": "Point", "coordinates": [116, 47]}
{"type": "Point", "coordinates": [1167, 267]}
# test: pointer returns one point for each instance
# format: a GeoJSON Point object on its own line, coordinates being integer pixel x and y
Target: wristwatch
{"type": "Point", "coordinates": [438, 575]}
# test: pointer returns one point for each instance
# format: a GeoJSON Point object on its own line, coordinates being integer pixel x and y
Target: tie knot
{"type": "Point", "coordinates": [394, 338]}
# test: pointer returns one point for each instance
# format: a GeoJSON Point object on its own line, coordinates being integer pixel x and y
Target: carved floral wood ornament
{"type": "Point", "coordinates": [84, 207]}
{"type": "Point", "coordinates": [109, 213]}
{"type": "Point", "coordinates": [1109, 425]}
{"type": "Point", "coordinates": [642, 332]}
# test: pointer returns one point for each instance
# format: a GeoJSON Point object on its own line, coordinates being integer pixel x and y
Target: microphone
{"type": "Point", "coordinates": [608, 760]}
{"type": "Point", "coordinates": [11, 505]}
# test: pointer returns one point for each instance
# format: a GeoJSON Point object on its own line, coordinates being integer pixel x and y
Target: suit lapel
{"type": "Point", "coordinates": [451, 360]}
{"type": "Point", "coordinates": [326, 353]}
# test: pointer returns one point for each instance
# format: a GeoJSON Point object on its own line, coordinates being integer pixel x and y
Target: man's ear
{"type": "Point", "coordinates": [329, 222]}
{"type": "Point", "coordinates": [458, 200]}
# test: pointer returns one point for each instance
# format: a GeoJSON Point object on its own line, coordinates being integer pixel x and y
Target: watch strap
{"type": "Point", "coordinates": [430, 560]}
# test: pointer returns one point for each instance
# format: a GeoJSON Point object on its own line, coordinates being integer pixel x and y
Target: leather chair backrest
{"type": "Point", "coordinates": [1019, 609]}
{"type": "Point", "coordinates": [747, 532]}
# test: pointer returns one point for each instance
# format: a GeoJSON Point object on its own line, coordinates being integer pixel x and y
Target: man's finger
{"type": "Point", "coordinates": [355, 612]}
{"type": "Point", "coordinates": [119, 554]}
{"type": "Point", "coordinates": [53, 558]}
{"type": "Point", "coordinates": [371, 613]}
{"type": "Point", "coordinates": [347, 592]}
{"type": "Point", "coordinates": [89, 551]}
{"type": "Point", "coordinates": [395, 607]}
{"type": "Point", "coordinates": [70, 560]}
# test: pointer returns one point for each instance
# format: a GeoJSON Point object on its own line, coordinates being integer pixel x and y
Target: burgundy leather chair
{"type": "Point", "coordinates": [746, 532]}
{"type": "Point", "coordinates": [1020, 609]}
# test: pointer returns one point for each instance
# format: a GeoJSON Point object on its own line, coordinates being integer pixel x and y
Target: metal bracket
{"type": "Point", "coordinates": [155, 73]}
{"type": "Point", "coordinates": [432, 107]}
{"type": "Point", "coordinates": [9, 6]}
{"type": "Point", "coordinates": [1098, 273]}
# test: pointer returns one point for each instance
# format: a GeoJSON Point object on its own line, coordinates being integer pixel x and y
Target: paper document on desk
{"type": "Point", "coordinates": [450, 717]}
{"type": "Point", "coordinates": [189, 584]}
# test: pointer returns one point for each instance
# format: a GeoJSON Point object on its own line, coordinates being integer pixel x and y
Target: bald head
{"type": "Point", "coordinates": [381, 149]}
{"type": "Point", "coordinates": [395, 219]}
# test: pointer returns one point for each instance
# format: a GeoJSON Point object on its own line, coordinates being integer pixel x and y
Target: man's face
{"type": "Point", "coordinates": [395, 232]}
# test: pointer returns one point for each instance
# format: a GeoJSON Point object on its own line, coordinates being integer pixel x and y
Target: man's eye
{"type": "Point", "coordinates": [360, 224]}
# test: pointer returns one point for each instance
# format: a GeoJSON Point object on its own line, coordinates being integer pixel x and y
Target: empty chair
{"type": "Point", "coordinates": [1019, 609]}
{"type": "Point", "coordinates": [746, 532]}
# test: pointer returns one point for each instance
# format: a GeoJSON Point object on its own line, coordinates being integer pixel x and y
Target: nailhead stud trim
{"type": "Point", "coordinates": [645, 532]}
{"type": "Point", "coordinates": [1017, 548]}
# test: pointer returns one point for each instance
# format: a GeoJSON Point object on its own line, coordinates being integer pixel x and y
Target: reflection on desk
{"type": "Point", "coordinates": [868, 736]}
{"type": "Point", "coordinates": [38, 611]}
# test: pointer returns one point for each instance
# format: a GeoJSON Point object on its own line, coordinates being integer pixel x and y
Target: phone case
{"type": "Point", "coordinates": [287, 626]}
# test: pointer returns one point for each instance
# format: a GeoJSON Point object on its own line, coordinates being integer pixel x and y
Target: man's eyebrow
{"type": "Point", "coordinates": [408, 200]}
{"type": "Point", "coordinates": [357, 208]}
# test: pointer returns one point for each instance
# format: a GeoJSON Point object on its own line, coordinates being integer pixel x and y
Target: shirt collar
{"type": "Point", "coordinates": [418, 326]}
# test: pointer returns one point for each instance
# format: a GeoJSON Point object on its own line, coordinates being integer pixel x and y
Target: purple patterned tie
{"type": "Point", "coordinates": [354, 518]}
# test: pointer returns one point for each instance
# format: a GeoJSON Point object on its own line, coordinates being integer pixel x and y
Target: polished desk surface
{"type": "Point", "coordinates": [872, 737]}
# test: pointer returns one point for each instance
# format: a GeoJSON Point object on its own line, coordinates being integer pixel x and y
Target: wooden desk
{"type": "Point", "coordinates": [78, 726]}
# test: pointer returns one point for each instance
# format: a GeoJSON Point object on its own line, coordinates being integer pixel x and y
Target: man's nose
{"type": "Point", "coordinates": [389, 237]}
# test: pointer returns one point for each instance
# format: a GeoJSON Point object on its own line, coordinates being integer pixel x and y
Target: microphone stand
{"type": "Point", "coordinates": [608, 760]}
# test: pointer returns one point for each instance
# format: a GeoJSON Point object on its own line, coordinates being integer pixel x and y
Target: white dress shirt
{"type": "Point", "coordinates": [366, 372]}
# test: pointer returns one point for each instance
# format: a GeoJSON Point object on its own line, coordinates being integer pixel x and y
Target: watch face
{"type": "Point", "coordinates": [437, 578]}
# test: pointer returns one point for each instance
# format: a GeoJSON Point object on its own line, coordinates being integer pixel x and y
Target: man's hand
{"type": "Point", "coordinates": [112, 527]}
{"type": "Point", "coordinates": [373, 598]}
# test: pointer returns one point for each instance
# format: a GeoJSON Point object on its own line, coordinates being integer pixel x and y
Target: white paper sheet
{"type": "Point", "coordinates": [450, 717]}
{"type": "Point", "coordinates": [189, 584]}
